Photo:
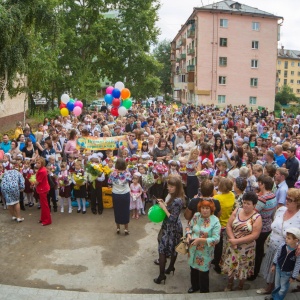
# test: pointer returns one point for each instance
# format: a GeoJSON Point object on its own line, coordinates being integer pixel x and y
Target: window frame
{"type": "Point", "coordinates": [255, 64]}
{"type": "Point", "coordinates": [221, 100]}
{"type": "Point", "coordinates": [222, 80]}
{"type": "Point", "coordinates": [222, 44]}
{"type": "Point", "coordinates": [222, 25]}
{"type": "Point", "coordinates": [253, 45]}
{"type": "Point", "coordinates": [222, 58]}
{"type": "Point", "coordinates": [251, 98]}
{"type": "Point", "coordinates": [254, 82]}
{"type": "Point", "coordinates": [254, 27]}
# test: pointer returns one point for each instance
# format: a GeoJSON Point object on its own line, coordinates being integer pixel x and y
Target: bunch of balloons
{"type": "Point", "coordinates": [68, 105]}
{"type": "Point", "coordinates": [119, 98]}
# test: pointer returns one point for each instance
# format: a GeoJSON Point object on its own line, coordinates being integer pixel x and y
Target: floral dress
{"type": "Point", "coordinates": [171, 229]}
{"type": "Point", "coordinates": [240, 262]}
{"type": "Point", "coordinates": [200, 256]}
{"type": "Point", "coordinates": [12, 183]}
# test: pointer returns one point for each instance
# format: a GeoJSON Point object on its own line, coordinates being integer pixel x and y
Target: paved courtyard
{"type": "Point", "coordinates": [83, 253]}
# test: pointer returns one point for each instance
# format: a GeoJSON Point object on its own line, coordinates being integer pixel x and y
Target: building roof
{"type": "Point", "coordinates": [236, 7]}
{"type": "Point", "coordinates": [291, 54]}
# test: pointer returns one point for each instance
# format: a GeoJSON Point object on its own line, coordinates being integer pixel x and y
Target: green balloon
{"type": "Point", "coordinates": [127, 103]}
{"type": "Point", "coordinates": [156, 214]}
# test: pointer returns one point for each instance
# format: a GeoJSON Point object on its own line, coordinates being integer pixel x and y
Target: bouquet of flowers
{"type": "Point", "coordinates": [32, 179]}
{"type": "Point", "coordinates": [182, 170]}
{"type": "Point", "coordinates": [64, 180]}
{"type": "Point", "coordinates": [96, 170]}
{"type": "Point", "coordinates": [150, 165]}
{"type": "Point", "coordinates": [147, 180]}
{"type": "Point", "coordinates": [160, 169]}
{"type": "Point", "coordinates": [79, 180]}
{"type": "Point", "coordinates": [203, 174]}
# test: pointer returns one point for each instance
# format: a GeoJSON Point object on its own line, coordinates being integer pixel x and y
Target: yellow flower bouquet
{"type": "Point", "coordinates": [79, 180]}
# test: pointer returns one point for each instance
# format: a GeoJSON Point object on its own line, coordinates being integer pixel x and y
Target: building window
{"type": "Point", "coordinates": [298, 91]}
{"type": "Point", "coordinates": [223, 61]}
{"type": "Point", "coordinates": [298, 73]}
{"type": "Point", "coordinates": [222, 79]}
{"type": "Point", "coordinates": [252, 100]}
{"type": "Point", "coordinates": [255, 26]}
{"type": "Point", "coordinates": [221, 99]}
{"type": "Point", "coordinates": [292, 73]}
{"type": "Point", "coordinates": [254, 63]}
{"type": "Point", "coordinates": [253, 81]}
{"type": "Point", "coordinates": [292, 63]}
{"type": "Point", "coordinates": [223, 42]}
{"type": "Point", "coordinates": [279, 72]}
{"type": "Point", "coordinates": [224, 23]}
{"type": "Point", "coordinates": [298, 81]}
{"type": "Point", "coordinates": [278, 80]}
{"type": "Point", "coordinates": [286, 64]}
{"type": "Point", "coordinates": [254, 44]}
{"type": "Point", "coordinates": [285, 81]}
{"type": "Point", "coordinates": [279, 62]}
{"type": "Point", "coordinates": [285, 73]}
{"type": "Point", "coordinates": [298, 64]}
{"type": "Point", "coordinates": [292, 81]}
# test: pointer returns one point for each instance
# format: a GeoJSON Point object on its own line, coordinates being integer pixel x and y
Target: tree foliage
{"type": "Point", "coordinates": [285, 95]}
{"type": "Point", "coordinates": [67, 46]}
{"type": "Point", "coordinates": [162, 55]}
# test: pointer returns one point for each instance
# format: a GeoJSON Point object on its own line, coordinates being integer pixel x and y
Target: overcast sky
{"type": "Point", "coordinates": [174, 13]}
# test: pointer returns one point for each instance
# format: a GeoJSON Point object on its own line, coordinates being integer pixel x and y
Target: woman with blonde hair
{"type": "Point", "coordinates": [227, 201]}
{"type": "Point", "coordinates": [192, 167]}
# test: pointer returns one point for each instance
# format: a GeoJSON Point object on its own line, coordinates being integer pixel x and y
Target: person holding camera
{"type": "Point", "coordinates": [203, 233]}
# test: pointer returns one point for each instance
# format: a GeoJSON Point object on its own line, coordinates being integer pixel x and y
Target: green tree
{"type": "Point", "coordinates": [162, 55]}
{"type": "Point", "coordinates": [285, 95]}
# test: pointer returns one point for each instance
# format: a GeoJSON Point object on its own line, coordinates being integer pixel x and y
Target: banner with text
{"type": "Point", "coordinates": [101, 143]}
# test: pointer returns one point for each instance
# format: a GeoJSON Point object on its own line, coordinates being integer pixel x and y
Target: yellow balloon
{"type": "Point", "coordinates": [64, 112]}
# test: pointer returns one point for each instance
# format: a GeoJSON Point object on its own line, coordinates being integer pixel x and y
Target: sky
{"type": "Point", "coordinates": [174, 13]}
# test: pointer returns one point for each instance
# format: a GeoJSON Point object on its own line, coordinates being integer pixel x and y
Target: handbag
{"type": "Point", "coordinates": [182, 247]}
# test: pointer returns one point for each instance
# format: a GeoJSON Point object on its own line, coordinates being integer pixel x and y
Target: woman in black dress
{"type": "Point", "coordinates": [171, 229]}
{"type": "Point", "coordinates": [29, 151]}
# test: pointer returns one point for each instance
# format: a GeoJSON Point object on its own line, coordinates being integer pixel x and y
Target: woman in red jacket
{"type": "Point", "coordinates": [42, 188]}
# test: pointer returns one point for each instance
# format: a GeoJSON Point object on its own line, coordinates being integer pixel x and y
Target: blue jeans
{"type": "Point", "coordinates": [282, 284]}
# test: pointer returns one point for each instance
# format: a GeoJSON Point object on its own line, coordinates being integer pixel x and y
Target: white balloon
{"type": "Point", "coordinates": [65, 98]}
{"type": "Point", "coordinates": [122, 111]}
{"type": "Point", "coordinates": [119, 85]}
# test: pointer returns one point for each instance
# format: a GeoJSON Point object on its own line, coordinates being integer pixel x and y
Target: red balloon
{"type": "Point", "coordinates": [116, 102]}
{"type": "Point", "coordinates": [114, 111]}
{"type": "Point", "coordinates": [62, 105]}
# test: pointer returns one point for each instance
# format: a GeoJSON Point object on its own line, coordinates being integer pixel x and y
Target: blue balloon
{"type": "Point", "coordinates": [108, 98]}
{"type": "Point", "coordinates": [70, 106]}
{"type": "Point", "coordinates": [116, 93]}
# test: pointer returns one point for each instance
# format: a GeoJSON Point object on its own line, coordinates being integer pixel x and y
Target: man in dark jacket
{"type": "Point", "coordinates": [292, 164]}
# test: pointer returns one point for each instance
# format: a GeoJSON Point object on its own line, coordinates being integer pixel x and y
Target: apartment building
{"type": "Point", "coordinates": [288, 69]}
{"type": "Point", "coordinates": [226, 53]}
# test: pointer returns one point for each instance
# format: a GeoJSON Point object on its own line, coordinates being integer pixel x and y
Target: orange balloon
{"type": "Point", "coordinates": [125, 93]}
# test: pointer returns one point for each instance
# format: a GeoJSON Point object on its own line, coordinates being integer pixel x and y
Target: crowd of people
{"type": "Point", "coordinates": [234, 171]}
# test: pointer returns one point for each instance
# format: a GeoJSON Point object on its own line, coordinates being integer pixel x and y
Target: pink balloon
{"type": "Point", "coordinates": [109, 90]}
{"type": "Point", "coordinates": [78, 103]}
{"type": "Point", "coordinates": [77, 111]}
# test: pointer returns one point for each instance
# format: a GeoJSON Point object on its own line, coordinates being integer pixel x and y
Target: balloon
{"type": "Point", "coordinates": [64, 112]}
{"type": "Point", "coordinates": [122, 111]}
{"type": "Point", "coordinates": [127, 103]}
{"type": "Point", "coordinates": [71, 100]}
{"type": "Point", "coordinates": [116, 102]}
{"type": "Point", "coordinates": [62, 105]}
{"type": "Point", "coordinates": [108, 98]}
{"type": "Point", "coordinates": [114, 111]}
{"type": "Point", "coordinates": [77, 111]}
{"type": "Point", "coordinates": [65, 98]}
{"type": "Point", "coordinates": [78, 103]}
{"type": "Point", "coordinates": [156, 214]}
{"type": "Point", "coordinates": [120, 86]}
{"type": "Point", "coordinates": [109, 89]}
{"type": "Point", "coordinates": [125, 94]}
{"type": "Point", "coordinates": [70, 105]}
{"type": "Point", "coordinates": [116, 93]}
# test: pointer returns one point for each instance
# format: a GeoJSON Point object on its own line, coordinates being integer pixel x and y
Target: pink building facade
{"type": "Point", "coordinates": [226, 53]}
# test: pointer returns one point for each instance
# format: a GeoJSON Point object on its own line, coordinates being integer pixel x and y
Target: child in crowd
{"type": "Point", "coordinates": [52, 182]}
{"type": "Point", "coordinates": [216, 181]}
{"type": "Point", "coordinates": [221, 168]}
{"type": "Point", "coordinates": [71, 164]}
{"type": "Point", "coordinates": [135, 195]}
{"type": "Point", "coordinates": [6, 161]}
{"type": "Point", "coordinates": [286, 263]}
{"type": "Point", "coordinates": [174, 167]}
{"type": "Point", "coordinates": [27, 172]}
{"type": "Point", "coordinates": [79, 188]}
{"type": "Point", "coordinates": [64, 187]}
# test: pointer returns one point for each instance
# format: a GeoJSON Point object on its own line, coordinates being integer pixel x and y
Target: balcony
{"type": "Point", "coordinates": [191, 68]}
{"type": "Point", "coordinates": [191, 86]}
{"type": "Point", "coordinates": [183, 56]}
{"type": "Point", "coordinates": [178, 58]}
{"type": "Point", "coordinates": [173, 57]}
{"type": "Point", "coordinates": [191, 32]}
{"type": "Point", "coordinates": [183, 41]}
{"type": "Point", "coordinates": [173, 46]}
{"type": "Point", "coordinates": [191, 51]}
{"type": "Point", "coordinates": [178, 45]}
